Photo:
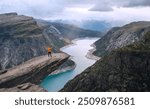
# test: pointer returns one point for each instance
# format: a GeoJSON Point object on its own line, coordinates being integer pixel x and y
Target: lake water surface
{"type": "Point", "coordinates": [78, 51]}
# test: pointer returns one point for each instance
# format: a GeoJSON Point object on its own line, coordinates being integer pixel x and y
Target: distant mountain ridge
{"type": "Point", "coordinates": [72, 32]}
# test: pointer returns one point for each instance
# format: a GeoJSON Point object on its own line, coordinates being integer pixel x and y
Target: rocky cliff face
{"type": "Point", "coordinates": [124, 69]}
{"type": "Point", "coordinates": [121, 36]}
{"type": "Point", "coordinates": [21, 39]}
{"type": "Point", "coordinates": [27, 87]}
{"type": "Point", "coordinates": [27, 76]}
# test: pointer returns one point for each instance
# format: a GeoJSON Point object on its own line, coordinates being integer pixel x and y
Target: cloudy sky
{"type": "Point", "coordinates": [104, 10]}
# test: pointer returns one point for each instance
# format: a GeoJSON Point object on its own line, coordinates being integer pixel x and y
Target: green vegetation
{"type": "Point", "coordinates": [141, 46]}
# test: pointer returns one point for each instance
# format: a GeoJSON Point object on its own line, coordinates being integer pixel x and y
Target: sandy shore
{"type": "Point", "coordinates": [90, 54]}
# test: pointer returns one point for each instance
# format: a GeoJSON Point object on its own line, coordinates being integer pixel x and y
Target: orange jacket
{"type": "Point", "coordinates": [49, 49]}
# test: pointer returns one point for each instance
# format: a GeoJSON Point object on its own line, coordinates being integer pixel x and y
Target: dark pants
{"type": "Point", "coordinates": [49, 54]}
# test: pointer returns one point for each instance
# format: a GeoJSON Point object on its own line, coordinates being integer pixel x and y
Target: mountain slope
{"type": "Point", "coordinates": [121, 36]}
{"type": "Point", "coordinates": [21, 39]}
{"type": "Point", "coordinates": [124, 69]}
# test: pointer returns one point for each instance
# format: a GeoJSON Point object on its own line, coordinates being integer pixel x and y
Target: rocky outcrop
{"type": "Point", "coordinates": [21, 39]}
{"type": "Point", "coordinates": [121, 36]}
{"type": "Point", "coordinates": [90, 53]}
{"type": "Point", "coordinates": [32, 71]}
{"type": "Point", "coordinates": [124, 69]}
{"type": "Point", "coordinates": [26, 87]}
{"type": "Point", "coordinates": [66, 66]}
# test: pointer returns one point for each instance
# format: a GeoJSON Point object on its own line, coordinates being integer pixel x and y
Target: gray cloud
{"type": "Point", "coordinates": [79, 9]}
{"type": "Point", "coordinates": [108, 5]}
{"type": "Point", "coordinates": [35, 8]}
{"type": "Point", "coordinates": [54, 7]}
{"type": "Point", "coordinates": [137, 3]}
{"type": "Point", "coordinates": [103, 8]}
{"type": "Point", "coordinates": [41, 8]}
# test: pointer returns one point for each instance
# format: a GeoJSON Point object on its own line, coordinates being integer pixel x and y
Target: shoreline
{"type": "Point", "coordinates": [73, 42]}
{"type": "Point", "coordinates": [90, 54]}
{"type": "Point", "coordinates": [62, 70]}
{"type": "Point", "coordinates": [68, 68]}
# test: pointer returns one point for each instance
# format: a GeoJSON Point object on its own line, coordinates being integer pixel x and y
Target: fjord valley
{"type": "Point", "coordinates": [23, 37]}
{"type": "Point", "coordinates": [78, 52]}
{"type": "Point", "coordinates": [75, 46]}
{"type": "Point", "coordinates": [23, 42]}
{"type": "Point", "coordinates": [124, 66]}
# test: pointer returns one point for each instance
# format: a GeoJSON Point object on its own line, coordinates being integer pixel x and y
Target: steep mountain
{"type": "Point", "coordinates": [21, 39]}
{"type": "Point", "coordinates": [123, 69]}
{"type": "Point", "coordinates": [121, 36]}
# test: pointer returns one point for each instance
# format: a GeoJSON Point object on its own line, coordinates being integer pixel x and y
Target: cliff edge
{"type": "Point", "coordinates": [32, 71]}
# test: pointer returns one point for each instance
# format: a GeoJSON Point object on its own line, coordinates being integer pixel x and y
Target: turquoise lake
{"type": "Point", "coordinates": [78, 52]}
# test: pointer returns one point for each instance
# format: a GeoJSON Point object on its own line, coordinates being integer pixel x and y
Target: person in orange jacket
{"type": "Point", "coordinates": [49, 50]}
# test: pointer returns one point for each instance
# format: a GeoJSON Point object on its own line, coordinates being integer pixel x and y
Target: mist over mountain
{"type": "Point", "coordinates": [94, 25]}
